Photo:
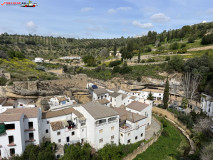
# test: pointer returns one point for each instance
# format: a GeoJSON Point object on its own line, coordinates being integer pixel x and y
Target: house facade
{"type": "Point", "coordinates": [207, 104]}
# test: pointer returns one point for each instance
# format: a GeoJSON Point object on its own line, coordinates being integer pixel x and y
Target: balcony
{"type": "Point", "coordinates": [11, 144]}
{"type": "Point", "coordinates": [29, 129]}
{"type": "Point", "coordinates": [126, 128]}
{"type": "Point", "coordinates": [30, 140]}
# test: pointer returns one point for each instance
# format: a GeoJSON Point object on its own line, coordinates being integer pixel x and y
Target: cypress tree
{"type": "Point", "coordinates": [150, 96]}
{"type": "Point", "coordinates": [166, 94]}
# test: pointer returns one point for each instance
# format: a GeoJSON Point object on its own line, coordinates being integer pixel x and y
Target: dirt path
{"type": "Point", "coordinates": [200, 48]}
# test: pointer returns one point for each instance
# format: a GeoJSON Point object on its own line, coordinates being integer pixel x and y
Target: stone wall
{"type": "Point", "coordinates": [50, 87]}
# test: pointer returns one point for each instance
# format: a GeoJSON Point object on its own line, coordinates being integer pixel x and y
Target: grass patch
{"type": "Point", "coordinates": [24, 70]}
{"type": "Point", "coordinates": [170, 145]}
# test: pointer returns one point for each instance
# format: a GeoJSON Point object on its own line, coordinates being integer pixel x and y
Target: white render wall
{"type": "Point", "coordinates": [137, 130]}
{"type": "Point", "coordinates": [94, 133]}
{"type": "Point", "coordinates": [207, 105]}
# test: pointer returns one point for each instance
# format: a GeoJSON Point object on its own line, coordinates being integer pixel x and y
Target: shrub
{"type": "Point", "coordinates": [139, 79]}
{"type": "Point", "coordinates": [114, 63]}
{"type": "Point", "coordinates": [167, 58]}
{"type": "Point", "coordinates": [174, 46]}
{"type": "Point", "coordinates": [191, 40]}
{"type": "Point", "coordinates": [3, 81]}
{"type": "Point", "coordinates": [116, 69]}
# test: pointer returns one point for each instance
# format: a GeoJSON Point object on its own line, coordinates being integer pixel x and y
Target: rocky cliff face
{"type": "Point", "coordinates": [50, 87]}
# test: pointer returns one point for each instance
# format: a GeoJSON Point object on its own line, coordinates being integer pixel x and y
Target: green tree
{"type": "Point", "coordinates": [139, 57]}
{"type": "Point", "coordinates": [3, 81]}
{"type": "Point", "coordinates": [166, 94]}
{"type": "Point", "coordinates": [150, 96]}
{"type": "Point", "coordinates": [115, 49]}
{"type": "Point", "coordinates": [184, 102]}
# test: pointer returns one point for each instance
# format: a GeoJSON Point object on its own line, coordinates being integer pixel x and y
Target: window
{"type": "Point", "coordinates": [68, 139]}
{"type": "Point", "coordinates": [30, 124]}
{"type": "Point", "coordinates": [141, 134]}
{"type": "Point", "coordinates": [128, 134]}
{"type": "Point", "coordinates": [105, 95]}
{"type": "Point", "coordinates": [48, 122]}
{"type": "Point", "coordinates": [59, 140]}
{"type": "Point", "coordinates": [73, 133]}
{"type": "Point", "coordinates": [102, 121]}
{"type": "Point", "coordinates": [121, 135]}
{"type": "Point", "coordinates": [112, 128]}
{"type": "Point", "coordinates": [112, 137]}
{"type": "Point", "coordinates": [9, 126]}
{"type": "Point", "coordinates": [58, 133]}
{"type": "Point", "coordinates": [136, 137]}
{"type": "Point", "coordinates": [101, 131]}
{"type": "Point", "coordinates": [12, 151]}
{"type": "Point", "coordinates": [11, 139]}
{"type": "Point", "coordinates": [82, 130]}
{"type": "Point", "coordinates": [101, 140]}
{"type": "Point", "coordinates": [47, 131]}
{"type": "Point", "coordinates": [129, 141]}
{"type": "Point", "coordinates": [58, 156]}
{"type": "Point", "coordinates": [31, 136]}
{"type": "Point", "coordinates": [112, 119]}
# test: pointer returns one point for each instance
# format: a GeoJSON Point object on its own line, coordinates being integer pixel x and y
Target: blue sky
{"type": "Point", "coordinates": [102, 18]}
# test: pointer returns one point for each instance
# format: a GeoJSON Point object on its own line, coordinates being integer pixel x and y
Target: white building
{"type": "Point", "coordinates": [207, 104]}
{"type": "Point", "coordinates": [156, 93]}
{"type": "Point", "coordinates": [19, 127]}
{"type": "Point", "coordinates": [39, 60]}
{"type": "Point", "coordinates": [6, 103]}
{"type": "Point", "coordinates": [99, 93]}
{"type": "Point", "coordinates": [66, 126]}
{"type": "Point", "coordinates": [60, 102]}
{"type": "Point", "coordinates": [102, 124]}
{"type": "Point", "coordinates": [142, 109]}
{"type": "Point", "coordinates": [71, 58]}
{"type": "Point", "coordinates": [132, 126]}
{"type": "Point", "coordinates": [25, 103]}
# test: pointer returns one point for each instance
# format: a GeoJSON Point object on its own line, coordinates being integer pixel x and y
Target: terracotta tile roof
{"type": "Point", "coordinates": [103, 101]}
{"type": "Point", "coordinates": [57, 125]}
{"type": "Point", "coordinates": [97, 111]}
{"type": "Point", "coordinates": [114, 94]}
{"type": "Point", "coordinates": [100, 91]}
{"type": "Point", "coordinates": [10, 117]}
{"type": "Point", "coordinates": [9, 102]}
{"type": "Point", "coordinates": [66, 111]}
{"type": "Point", "coordinates": [127, 115]}
{"type": "Point", "coordinates": [138, 106]}
{"type": "Point", "coordinates": [152, 90]}
{"type": "Point", "coordinates": [28, 112]}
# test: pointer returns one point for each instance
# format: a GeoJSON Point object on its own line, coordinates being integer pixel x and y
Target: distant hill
{"type": "Point", "coordinates": [53, 47]}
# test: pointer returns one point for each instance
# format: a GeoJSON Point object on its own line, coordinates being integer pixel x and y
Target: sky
{"type": "Point", "coordinates": [102, 18]}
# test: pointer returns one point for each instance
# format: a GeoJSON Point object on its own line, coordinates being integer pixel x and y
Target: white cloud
{"type": "Point", "coordinates": [114, 10]}
{"type": "Point", "coordinates": [31, 27]}
{"type": "Point", "coordinates": [87, 9]}
{"type": "Point", "coordinates": [144, 26]}
{"type": "Point", "coordinates": [159, 18]}
{"type": "Point", "coordinates": [210, 11]}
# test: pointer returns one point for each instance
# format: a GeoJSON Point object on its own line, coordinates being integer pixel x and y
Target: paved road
{"type": "Point", "coordinates": [154, 128]}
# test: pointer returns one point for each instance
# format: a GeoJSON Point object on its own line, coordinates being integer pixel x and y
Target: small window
{"type": "Point", "coordinates": [128, 134]}
{"type": "Point", "coordinates": [31, 136]}
{"type": "Point", "coordinates": [129, 141]}
{"type": "Point", "coordinates": [58, 133]}
{"type": "Point", "coordinates": [112, 128]}
{"type": "Point", "coordinates": [30, 124]}
{"type": "Point", "coordinates": [121, 135]}
{"type": "Point", "coordinates": [59, 140]}
{"type": "Point", "coordinates": [47, 131]}
{"type": "Point", "coordinates": [9, 126]}
{"type": "Point", "coordinates": [136, 137]}
{"type": "Point", "coordinates": [112, 137]}
{"type": "Point", "coordinates": [11, 139]}
{"type": "Point", "coordinates": [58, 156]}
{"type": "Point", "coordinates": [68, 139]}
{"type": "Point", "coordinates": [141, 134]}
{"type": "Point", "coordinates": [73, 133]}
{"type": "Point", "coordinates": [12, 151]}
{"type": "Point", "coordinates": [48, 122]}
{"type": "Point", "coordinates": [101, 131]}
{"type": "Point", "coordinates": [101, 140]}
{"type": "Point", "coordinates": [82, 130]}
